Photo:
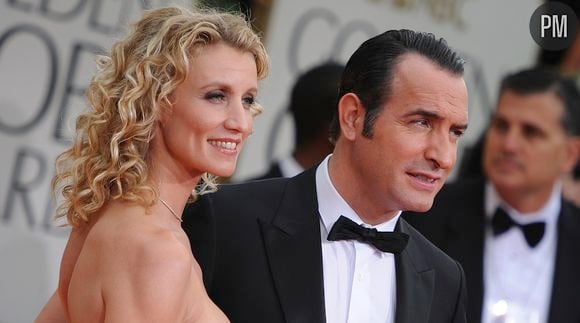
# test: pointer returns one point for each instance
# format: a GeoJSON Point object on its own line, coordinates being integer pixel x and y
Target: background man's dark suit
{"type": "Point", "coordinates": [456, 224]}
{"type": "Point", "coordinates": [260, 250]}
{"type": "Point", "coordinates": [312, 104]}
{"type": "Point", "coordinates": [273, 172]}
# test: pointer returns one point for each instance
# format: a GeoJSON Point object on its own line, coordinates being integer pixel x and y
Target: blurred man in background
{"type": "Point", "coordinates": [312, 104]}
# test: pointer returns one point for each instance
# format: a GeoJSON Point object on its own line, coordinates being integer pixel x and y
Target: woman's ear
{"type": "Point", "coordinates": [164, 108]}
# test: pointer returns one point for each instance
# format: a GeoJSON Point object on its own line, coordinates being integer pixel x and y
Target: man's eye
{"type": "Point", "coordinates": [458, 133]}
{"type": "Point", "coordinates": [421, 122]}
{"type": "Point", "coordinates": [500, 126]}
{"type": "Point", "coordinates": [531, 132]}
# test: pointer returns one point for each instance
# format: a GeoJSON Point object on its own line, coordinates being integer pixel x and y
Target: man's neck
{"type": "Point", "coordinates": [348, 184]}
{"type": "Point", "coordinates": [525, 201]}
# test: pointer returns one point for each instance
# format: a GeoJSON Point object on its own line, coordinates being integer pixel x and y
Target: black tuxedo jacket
{"type": "Point", "coordinates": [259, 247]}
{"type": "Point", "coordinates": [456, 224]}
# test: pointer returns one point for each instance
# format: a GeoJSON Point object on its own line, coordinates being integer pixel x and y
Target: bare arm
{"type": "Point", "coordinates": [52, 312]}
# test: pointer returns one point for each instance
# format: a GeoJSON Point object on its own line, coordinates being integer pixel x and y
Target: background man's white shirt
{"type": "Point", "coordinates": [518, 278]}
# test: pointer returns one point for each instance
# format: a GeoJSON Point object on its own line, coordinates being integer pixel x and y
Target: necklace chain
{"type": "Point", "coordinates": [170, 210]}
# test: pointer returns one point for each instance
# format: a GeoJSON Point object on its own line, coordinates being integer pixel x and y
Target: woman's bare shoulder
{"type": "Point", "coordinates": [140, 244]}
{"type": "Point", "coordinates": [147, 268]}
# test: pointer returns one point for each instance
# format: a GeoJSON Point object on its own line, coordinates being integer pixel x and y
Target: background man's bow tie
{"type": "Point", "coordinates": [502, 222]}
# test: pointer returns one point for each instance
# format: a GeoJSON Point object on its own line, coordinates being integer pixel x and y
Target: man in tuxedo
{"type": "Point", "coordinates": [516, 238]}
{"type": "Point", "coordinates": [329, 245]}
{"type": "Point", "coordinates": [312, 105]}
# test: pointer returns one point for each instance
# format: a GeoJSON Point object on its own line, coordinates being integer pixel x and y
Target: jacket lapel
{"type": "Point", "coordinates": [566, 284]}
{"type": "Point", "coordinates": [414, 282]}
{"type": "Point", "coordinates": [293, 249]}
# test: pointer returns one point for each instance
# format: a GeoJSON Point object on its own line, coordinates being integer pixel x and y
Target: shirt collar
{"type": "Point", "coordinates": [331, 205]}
{"type": "Point", "coordinates": [548, 212]}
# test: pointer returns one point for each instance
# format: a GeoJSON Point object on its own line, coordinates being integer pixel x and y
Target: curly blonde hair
{"type": "Point", "coordinates": [108, 158]}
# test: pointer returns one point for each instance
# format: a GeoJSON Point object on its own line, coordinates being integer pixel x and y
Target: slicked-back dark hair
{"type": "Point", "coordinates": [539, 80]}
{"type": "Point", "coordinates": [369, 71]}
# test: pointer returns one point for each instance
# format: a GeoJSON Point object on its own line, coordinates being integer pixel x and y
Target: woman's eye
{"type": "Point", "coordinates": [216, 96]}
{"type": "Point", "coordinates": [249, 101]}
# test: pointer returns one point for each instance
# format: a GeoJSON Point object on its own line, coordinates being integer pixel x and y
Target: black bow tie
{"type": "Point", "coordinates": [533, 232]}
{"type": "Point", "coordinates": [345, 229]}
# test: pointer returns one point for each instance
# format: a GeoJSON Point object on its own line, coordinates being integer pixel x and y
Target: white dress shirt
{"type": "Point", "coordinates": [359, 280]}
{"type": "Point", "coordinates": [518, 278]}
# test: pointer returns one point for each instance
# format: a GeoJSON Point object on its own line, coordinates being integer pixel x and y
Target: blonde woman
{"type": "Point", "coordinates": [172, 104]}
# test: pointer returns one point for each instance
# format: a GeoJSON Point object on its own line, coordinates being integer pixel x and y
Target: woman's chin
{"type": "Point", "coordinates": [223, 172]}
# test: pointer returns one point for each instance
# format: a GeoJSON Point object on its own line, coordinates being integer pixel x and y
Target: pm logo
{"type": "Point", "coordinates": [553, 26]}
{"type": "Point", "coordinates": [557, 24]}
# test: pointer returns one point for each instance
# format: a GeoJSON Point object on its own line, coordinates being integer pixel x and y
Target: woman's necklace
{"type": "Point", "coordinates": [170, 210]}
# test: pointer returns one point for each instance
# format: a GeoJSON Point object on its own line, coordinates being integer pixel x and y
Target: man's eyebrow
{"type": "Point", "coordinates": [432, 115]}
{"type": "Point", "coordinates": [423, 112]}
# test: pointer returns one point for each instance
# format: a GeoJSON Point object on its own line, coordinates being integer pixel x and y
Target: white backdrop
{"type": "Point", "coordinates": [46, 59]}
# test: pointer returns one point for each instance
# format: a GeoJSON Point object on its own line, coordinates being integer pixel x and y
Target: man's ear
{"type": "Point", "coordinates": [351, 115]}
{"type": "Point", "coordinates": [573, 153]}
